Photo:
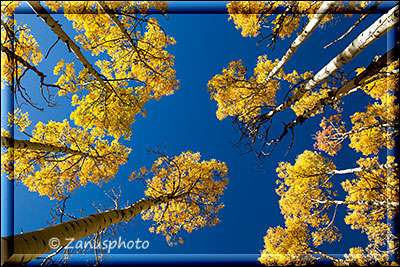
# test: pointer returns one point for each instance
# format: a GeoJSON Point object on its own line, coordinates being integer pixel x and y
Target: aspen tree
{"type": "Point", "coordinates": [307, 200]}
{"type": "Point", "coordinates": [252, 101]}
{"type": "Point", "coordinates": [369, 77]}
{"type": "Point", "coordinates": [371, 34]}
{"type": "Point", "coordinates": [59, 157]}
{"type": "Point", "coordinates": [183, 193]}
{"type": "Point", "coordinates": [139, 67]}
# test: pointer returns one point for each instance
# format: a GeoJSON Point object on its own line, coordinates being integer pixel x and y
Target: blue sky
{"type": "Point", "coordinates": [206, 43]}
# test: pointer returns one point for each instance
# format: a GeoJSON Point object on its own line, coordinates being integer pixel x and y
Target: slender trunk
{"type": "Point", "coordinates": [316, 251]}
{"type": "Point", "coordinates": [8, 142]}
{"type": "Point", "coordinates": [385, 166]}
{"type": "Point", "coordinates": [391, 204]}
{"type": "Point", "coordinates": [362, 18]}
{"type": "Point", "coordinates": [22, 248]}
{"type": "Point", "coordinates": [318, 17]}
{"type": "Point", "coordinates": [380, 124]}
{"type": "Point", "coordinates": [370, 71]}
{"type": "Point", "coordinates": [367, 37]}
{"type": "Point", "coordinates": [350, 87]}
{"type": "Point", "coordinates": [56, 28]}
{"type": "Point", "coordinates": [380, 27]}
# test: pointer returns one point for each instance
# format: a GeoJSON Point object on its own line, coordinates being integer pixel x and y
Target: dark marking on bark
{"type": "Point", "coordinates": [77, 224]}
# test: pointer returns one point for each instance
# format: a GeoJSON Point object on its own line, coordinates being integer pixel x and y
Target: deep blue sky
{"type": "Point", "coordinates": [206, 43]}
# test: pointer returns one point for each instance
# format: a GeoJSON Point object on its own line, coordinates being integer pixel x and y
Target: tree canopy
{"type": "Point", "coordinates": [121, 59]}
{"type": "Point", "coordinates": [308, 189]}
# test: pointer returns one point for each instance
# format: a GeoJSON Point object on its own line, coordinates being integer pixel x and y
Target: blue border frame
{"type": "Point", "coordinates": [7, 186]}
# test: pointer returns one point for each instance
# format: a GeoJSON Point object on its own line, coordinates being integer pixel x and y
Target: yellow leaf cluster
{"type": "Point", "coordinates": [357, 256]}
{"type": "Point", "coordinates": [372, 129]}
{"type": "Point", "coordinates": [108, 114]}
{"type": "Point", "coordinates": [238, 96]}
{"type": "Point", "coordinates": [18, 39]}
{"type": "Point", "coordinates": [330, 138]}
{"type": "Point", "coordinates": [137, 68]}
{"type": "Point", "coordinates": [309, 100]}
{"type": "Point", "coordinates": [303, 189]}
{"type": "Point", "coordinates": [286, 246]}
{"type": "Point", "coordinates": [377, 185]}
{"type": "Point", "coordinates": [68, 81]}
{"type": "Point", "coordinates": [194, 188]}
{"type": "Point", "coordinates": [55, 173]}
{"type": "Point", "coordinates": [245, 15]}
{"type": "Point", "coordinates": [21, 120]}
{"type": "Point", "coordinates": [250, 16]}
{"type": "Point", "coordinates": [379, 85]}
{"type": "Point", "coordinates": [306, 196]}
{"type": "Point", "coordinates": [8, 8]}
{"type": "Point", "coordinates": [303, 185]}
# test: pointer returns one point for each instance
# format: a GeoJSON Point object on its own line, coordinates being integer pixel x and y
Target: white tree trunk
{"type": "Point", "coordinates": [352, 85]}
{"type": "Point", "coordinates": [56, 28]}
{"type": "Point", "coordinates": [392, 204]}
{"type": "Point", "coordinates": [385, 166]}
{"type": "Point", "coordinates": [8, 142]}
{"type": "Point", "coordinates": [318, 17]}
{"type": "Point", "coordinates": [380, 27]}
{"type": "Point", "coordinates": [22, 248]}
{"type": "Point", "coordinates": [315, 251]}
{"type": "Point", "coordinates": [370, 71]}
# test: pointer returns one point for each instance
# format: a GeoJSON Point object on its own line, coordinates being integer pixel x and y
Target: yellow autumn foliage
{"type": "Point", "coordinates": [195, 188]}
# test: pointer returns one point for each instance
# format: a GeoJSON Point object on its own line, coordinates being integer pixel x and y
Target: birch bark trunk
{"type": "Point", "coordinates": [327, 256]}
{"type": "Point", "coordinates": [380, 27]}
{"type": "Point", "coordinates": [22, 248]}
{"type": "Point", "coordinates": [56, 28]}
{"type": "Point", "coordinates": [318, 17]}
{"type": "Point", "coordinates": [8, 142]}
{"type": "Point", "coordinates": [359, 169]}
{"type": "Point", "coordinates": [351, 86]}
{"type": "Point", "coordinates": [392, 204]}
